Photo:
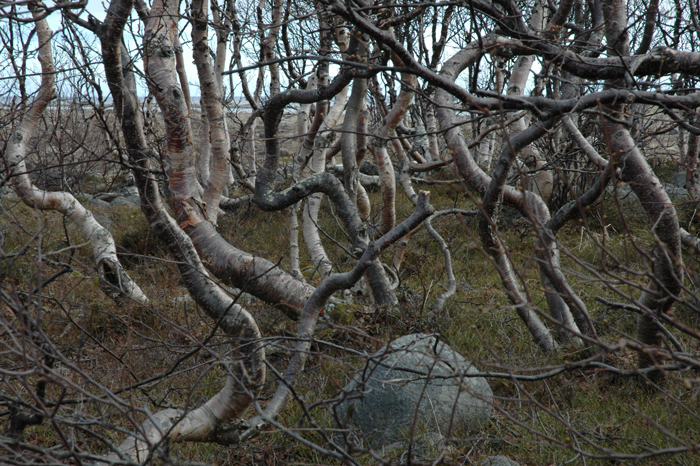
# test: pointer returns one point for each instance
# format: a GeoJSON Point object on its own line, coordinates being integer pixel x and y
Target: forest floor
{"type": "Point", "coordinates": [535, 423]}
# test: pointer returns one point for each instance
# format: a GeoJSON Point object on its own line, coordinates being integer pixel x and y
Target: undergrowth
{"type": "Point", "coordinates": [116, 348]}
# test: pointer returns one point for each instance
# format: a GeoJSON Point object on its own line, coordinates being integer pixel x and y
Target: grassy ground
{"type": "Point", "coordinates": [111, 347]}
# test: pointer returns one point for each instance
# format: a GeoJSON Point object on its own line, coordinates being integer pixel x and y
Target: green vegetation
{"type": "Point", "coordinates": [536, 422]}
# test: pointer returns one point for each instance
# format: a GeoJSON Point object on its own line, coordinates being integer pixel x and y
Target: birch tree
{"type": "Point", "coordinates": [484, 96]}
{"type": "Point", "coordinates": [114, 280]}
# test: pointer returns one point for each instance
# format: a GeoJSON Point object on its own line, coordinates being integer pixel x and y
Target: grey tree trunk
{"type": "Point", "coordinates": [667, 274]}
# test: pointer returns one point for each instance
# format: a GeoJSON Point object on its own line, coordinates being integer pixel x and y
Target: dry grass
{"type": "Point", "coordinates": [108, 348]}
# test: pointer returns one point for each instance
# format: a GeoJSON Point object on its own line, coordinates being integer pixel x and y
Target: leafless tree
{"type": "Point", "coordinates": [538, 114]}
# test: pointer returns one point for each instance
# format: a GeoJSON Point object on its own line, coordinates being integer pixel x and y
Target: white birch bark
{"type": "Point", "coordinates": [432, 130]}
{"type": "Point", "coordinates": [379, 149]}
{"type": "Point", "coordinates": [692, 181]}
{"type": "Point", "coordinates": [667, 261]}
{"type": "Point", "coordinates": [298, 163]}
{"type": "Point", "coordinates": [269, 43]}
{"type": "Point", "coordinates": [485, 150]}
{"type": "Point", "coordinates": [113, 278]}
{"type": "Point", "coordinates": [233, 266]}
{"type": "Point", "coordinates": [247, 372]}
{"type": "Point", "coordinates": [198, 425]}
{"type": "Point", "coordinates": [249, 158]}
{"type": "Point", "coordinates": [211, 101]}
{"type": "Point", "coordinates": [313, 203]}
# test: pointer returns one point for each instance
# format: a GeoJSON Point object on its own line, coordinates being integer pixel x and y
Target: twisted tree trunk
{"type": "Point", "coordinates": [667, 275]}
{"type": "Point", "coordinates": [114, 280]}
{"type": "Point", "coordinates": [211, 101]}
{"type": "Point", "coordinates": [255, 275]}
{"type": "Point", "coordinates": [529, 203]}
{"type": "Point", "coordinates": [379, 147]}
{"type": "Point", "coordinates": [247, 371]}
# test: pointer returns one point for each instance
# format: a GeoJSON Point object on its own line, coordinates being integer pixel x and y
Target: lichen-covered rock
{"type": "Point", "coordinates": [416, 385]}
{"type": "Point", "coordinates": [97, 202]}
{"type": "Point", "coordinates": [678, 179]}
{"type": "Point", "coordinates": [498, 461]}
{"type": "Point", "coordinates": [132, 200]}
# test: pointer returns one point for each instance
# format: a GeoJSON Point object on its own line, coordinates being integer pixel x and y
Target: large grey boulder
{"type": "Point", "coordinates": [415, 383]}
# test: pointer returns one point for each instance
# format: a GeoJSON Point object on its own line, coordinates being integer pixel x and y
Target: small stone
{"type": "Point", "coordinates": [678, 193]}
{"type": "Point", "coordinates": [128, 191]}
{"type": "Point", "coordinates": [369, 168]}
{"type": "Point", "coordinates": [99, 203]}
{"type": "Point", "coordinates": [678, 179]}
{"type": "Point", "coordinates": [10, 196]}
{"type": "Point", "coordinates": [499, 461]}
{"type": "Point", "coordinates": [102, 220]}
{"type": "Point", "coordinates": [107, 197]}
{"type": "Point", "coordinates": [133, 201]}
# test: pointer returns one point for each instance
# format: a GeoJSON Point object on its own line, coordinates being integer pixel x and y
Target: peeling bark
{"type": "Point", "coordinates": [256, 276]}
{"type": "Point", "coordinates": [159, 45]}
{"type": "Point", "coordinates": [211, 100]}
